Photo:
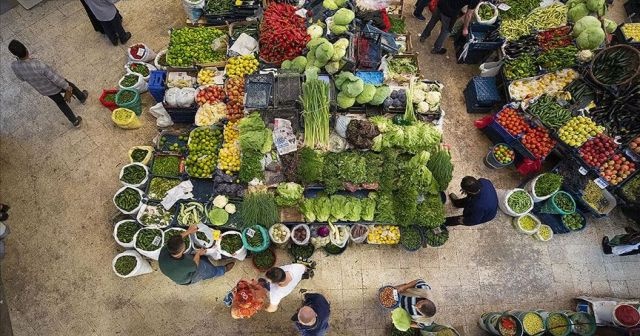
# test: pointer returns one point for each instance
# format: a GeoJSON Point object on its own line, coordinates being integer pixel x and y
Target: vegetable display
{"type": "Point", "coordinates": [235, 91]}
{"type": "Point", "coordinates": [617, 169]}
{"type": "Point", "coordinates": [554, 38]}
{"type": "Point", "coordinates": [128, 199]}
{"type": "Point", "coordinates": [125, 264]}
{"type": "Point", "coordinates": [133, 174]}
{"type": "Point", "coordinates": [410, 238]}
{"type": "Point", "coordinates": [398, 25]}
{"type": "Point", "coordinates": [239, 66]}
{"type": "Point", "coordinates": [441, 168]}
{"type": "Point", "coordinates": [315, 101]}
{"type": "Point", "coordinates": [573, 221]}
{"type": "Point", "coordinates": [231, 243]}
{"type": "Point", "coordinates": [597, 150]}
{"type": "Point", "coordinates": [156, 216]}
{"type": "Point", "coordinates": [289, 194]}
{"type": "Point", "coordinates": [283, 34]}
{"type": "Point", "coordinates": [594, 196]}
{"type": "Point", "coordinates": [360, 133]}
{"type": "Point", "coordinates": [301, 251]}
{"type": "Point", "coordinates": [512, 121]}
{"type": "Point", "coordinates": [613, 66]}
{"type": "Point", "coordinates": [126, 231]}
{"type": "Point", "coordinates": [527, 223]}
{"type": "Point", "coordinates": [547, 184]}
{"type": "Point", "coordinates": [129, 80]}
{"type": "Point", "coordinates": [264, 260]}
{"type": "Point", "coordinates": [430, 213]}
{"type": "Point", "coordinates": [521, 67]}
{"type": "Point", "coordinates": [160, 186]}
{"type": "Point", "coordinates": [577, 130]}
{"type": "Point", "coordinates": [210, 94]}
{"type": "Point", "coordinates": [558, 58]}
{"type": "Point", "coordinates": [203, 149]}
{"type": "Point", "coordinates": [149, 239]}
{"type": "Point", "coordinates": [259, 208]}
{"type": "Point", "coordinates": [139, 68]}
{"type": "Point", "coordinates": [532, 323]}
{"type": "Point", "coordinates": [538, 142]}
{"type": "Point", "coordinates": [436, 237]}
{"type": "Point", "coordinates": [519, 201]}
{"type": "Point", "coordinates": [527, 44]}
{"type": "Point", "coordinates": [507, 326]}
{"type": "Point", "coordinates": [631, 31]}
{"type": "Point", "coordinates": [503, 154]}
{"type": "Point", "coordinates": [191, 45]}
{"type": "Point", "coordinates": [386, 297]}
{"type": "Point", "coordinates": [557, 324]}
{"type": "Point", "coordinates": [550, 113]}
{"type": "Point", "coordinates": [631, 189]}
{"type": "Point", "coordinates": [138, 154]}
{"type": "Point", "coordinates": [564, 202]}
{"type": "Point", "coordinates": [384, 234]}
{"type": "Point", "coordinates": [201, 236]}
{"type": "Point", "coordinates": [519, 8]}
{"type": "Point", "coordinates": [126, 97]}
{"type": "Point", "coordinates": [619, 113]}
{"type": "Point", "coordinates": [166, 165]}
{"type": "Point", "coordinates": [544, 233]}
{"type": "Point", "coordinates": [549, 83]}
{"type": "Point", "coordinates": [229, 155]}
{"type": "Point", "coordinates": [190, 213]}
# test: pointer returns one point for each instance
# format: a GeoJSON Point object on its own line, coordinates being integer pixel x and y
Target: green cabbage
{"type": "Point", "coordinates": [324, 52]}
{"type": "Point", "coordinates": [311, 73]}
{"type": "Point", "coordinates": [367, 94]}
{"type": "Point", "coordinates": [597, 6]}
{"type": "Point", "coordinates": [382, 92]}
{"type": "Point", "coordinates": [218, 216]}
{"type": "Point", "coordinates": [340, 3]}
{"type": "Point", "coordinates": [314, 31]}
{"type": "Point", "coordinates": [314, 42]}
{"type": "Point", "coordinates": [591, 38]}
{"type": "Point", "coordinates": [299, 64]}
{"type": "Point", "coordinates": [342, 77]}
{"type": "Point", "coordinates": [353, 88]}
{"type": "Point", "coordinates": [344, 101]}
{"type": "Point", "coordinates": [584, 23]}
{"type": "Point", "coordinates": [337, 29]}
{"type": "Point", "coordinates": [332, 67]}
{"type": "Point", "coordinates": [610, 26]}
{"type": "Point", "coordinates": [286, 65]}
{"type": "Point", "coordinates": [401, 319]}
{"type": "Point", "coordinates": [343, 16]}
{"type": "Point", "coordinates": [341, 43]}
{"type": "Point", "coordinates": [338, 53]}
{"type": "Point", "coordinates": [577, 12]}
{"type": "Point", "coordinates": [329, 4]}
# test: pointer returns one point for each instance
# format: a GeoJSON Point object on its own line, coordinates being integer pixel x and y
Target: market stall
{"type": "Point", "coordinates": [572, 99]}
{"type": "Point", "coordinates": [308, 129]}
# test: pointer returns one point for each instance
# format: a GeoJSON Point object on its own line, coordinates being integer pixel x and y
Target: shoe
{"type": "Point", "coordinates": [3, 216]}
{"type": "Point", "coordinates": [419, 16]}
{"type": "Point", "coordinates": [86, 95]}
{"type": "Point", "coordinates": [114, 42]}
{"type": "Point", "coordinates": [423, 38]}
{"type": "Point", "coordinates": [442, 51]}
{"type": "Point", "coordinates": [605, 245]}
{"type": "Point", "coordinates": [126, 38]}
{"type": "Point", "coordinates": [229, 266]}
{"type": "Point", "coordinates": [4, 207]}
{"type": "Point", "coordinates": [77, 122]}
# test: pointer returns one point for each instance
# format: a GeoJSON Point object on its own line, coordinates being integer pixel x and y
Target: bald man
{"type": "Point", "coordinates": [312, 318]}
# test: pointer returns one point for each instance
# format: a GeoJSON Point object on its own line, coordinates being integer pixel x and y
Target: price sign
{"type": "Point", "coordinates": [582, 171]}
{"type": "Point", "coordinates": [141, 52]}
{"type": "Point", "coordinates": [601, 183]}
{"type": "Point", "coordinates": [156, 241]}
{"type": "Point", "coordinates": [250, 233]}
{"type": "Point", "coordinates": [395, 295]}
{"type": "Point", "coordinates": [504, 7]}
{"type": "Point", "coordinates": [216, 234]}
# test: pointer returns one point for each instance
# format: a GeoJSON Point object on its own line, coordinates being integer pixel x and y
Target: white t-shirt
{"type": "Point", "coordinates": [277, 293]}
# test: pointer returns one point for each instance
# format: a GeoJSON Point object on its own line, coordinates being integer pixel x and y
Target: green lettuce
{"type": "Point", "coordinates": [289, 194]}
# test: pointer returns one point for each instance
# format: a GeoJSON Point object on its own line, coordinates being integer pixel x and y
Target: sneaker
{"type": "Point", "coordinates": [126, 38]}
{"type": "Point", "coordinates": [77, 122]}
{"type": "Point", "coordinates": [86, 95]}
{"type": "Point", "coordinates": [423, 38]}
{"type": "Point", "coordinates": [442, 51]}
{"type": "Point", "coordinates": [114, 42]}
{"type": "Point", "coordinates": [419, 16]}
{"type": "Point", "coordinates": [229, 266]}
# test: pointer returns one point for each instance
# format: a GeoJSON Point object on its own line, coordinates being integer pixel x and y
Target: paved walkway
{"type": "Point", "coordinates": [60, 182]}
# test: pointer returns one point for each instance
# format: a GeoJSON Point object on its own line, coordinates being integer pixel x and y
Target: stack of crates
{"type": "Point", "coordinates": [481, 94]}
{"type": "Point", "coordinates": [156, 85]}
{"type": "Point", "coordinates": [478, 52]}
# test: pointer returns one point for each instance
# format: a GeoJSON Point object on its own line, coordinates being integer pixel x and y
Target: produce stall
{"type": "Point", "coordinates": [283, 137]}
{"type": "Point", "coordinates": [572, 92]}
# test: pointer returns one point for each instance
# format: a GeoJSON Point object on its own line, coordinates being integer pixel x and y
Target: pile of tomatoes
{"type": "Point", "coordinates": [235, 93]}
{"type": "Point", "coordinates": [538, 142]}
{"type": "Point", "coordinates": [512, 121]}
{"type": "Point", "coordinates": [210, 94]}
{"type": "Point", "coordinates": [598, 150]}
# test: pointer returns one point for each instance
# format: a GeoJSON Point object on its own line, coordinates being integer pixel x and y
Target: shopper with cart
{"type": "Point", "coordinates": [447, 12]}
{"type": "Point", "coordinates": [480, 205]}
{"type": "Point", "coordinates": [187, 269]}
{"type": "Point", "coordinates": [312, 319]}
{"type": "Point", "coordinates": [46, 80]}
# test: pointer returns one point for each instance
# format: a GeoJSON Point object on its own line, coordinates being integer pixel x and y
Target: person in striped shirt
{"type": "Point", "coordinates": [414, 297]}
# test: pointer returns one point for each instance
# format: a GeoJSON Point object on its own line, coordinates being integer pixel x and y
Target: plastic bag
{"type": "Point", "coordinates": [163, 119]}
{"type": "Point", "coordinates": [186, 97]}
{"type": "Point", "coordinates": [142, 266]}
{"type": "Point", "coordinates": [149, 67]}
{"type": "Point", "coordinates": [490, 21]}
{"type": "Point", "coordinates": [140, 52]}
{"type": "Point", "coordinates": [528, 166]}
{"type": "Point", "coordinates": [194, 9]}
{"type": "Point", "coordinates": [483, 122]}
{"type": "Point", "coordinates": [141, 86]}
{"type": "Point", "coordinates": [171, 97]}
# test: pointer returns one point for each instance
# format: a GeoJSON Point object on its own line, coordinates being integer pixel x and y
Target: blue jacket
{"type": "Point", "coordinates": [321, 306]}
{"type": "Point", "coordinates": [482, 207]}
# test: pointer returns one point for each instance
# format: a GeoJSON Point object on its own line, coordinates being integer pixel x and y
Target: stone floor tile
{"type": "Point", "coordinates": [619, 288]}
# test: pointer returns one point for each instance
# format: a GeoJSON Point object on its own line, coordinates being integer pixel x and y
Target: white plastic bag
{"type": "Point", "coordinates": [156, 60]}
{"type": "Point", "coordinates": [128, 245]}
{"type": "Point", "coordinates": [503, 197]}
{"type": "Point", "coordinates": [490, 69]}
{"type": "Point", "coordinates": [150, 254]}
{"type": "Point", "coordinates": [171, 97]}
{"type": "Point", "coordinates": [141, 86]}
{"type": "Point", "coordinates": [146, 170]}
{"type": "Point", "coordinates": [304, 227]}
{"type": "Point", "coordinates": [144, 54]}
{"type": "Point", "coordinates": [360, 239]}
{"type": "Point", "coordinates": [339, 235]}
{"type": "Point", "coordinates": [186, 97]}
{"type": "Point", "coordinates": [149, 67]}
{"type": "Point", "coordinates": [122, 210]}
{"type": "Point", "coordinates": [142, 266]}
{"type": "Point", "coordinates": [278, 240]}
{"type": "Point", "coordinates": [163, 119]}
{"type": "Point", "coordinates": [492, 20]}
{"type": "Point", "coordinates": [193, 9]}
{"type": "Point", "coordinates": [207, 232]}
{"type": "Point", "coordinates": [240, 254]}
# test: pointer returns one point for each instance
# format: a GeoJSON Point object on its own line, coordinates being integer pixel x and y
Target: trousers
{"type": "Point", "coordinates": [445, 30]}
{"type": "Point", "coordinates": [206, 270]}
{"type": "Point", "coordinates": [113, 29]}
{"type": "Point", "coordinates": [64, 107]}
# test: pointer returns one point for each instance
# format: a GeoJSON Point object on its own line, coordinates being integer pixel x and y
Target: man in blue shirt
{"type": "Point", "coordinates": [480, 205]}
{"type": "Point", "coordinates": [312, 318]}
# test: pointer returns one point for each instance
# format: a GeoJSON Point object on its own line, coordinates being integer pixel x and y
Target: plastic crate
{"type": "Point", "coordinates": [481, 94]}
{"type": "Point", "coordinates": [287, 89]}
{"type": "Point", "coordinates": [371, 76]}
{"type": "Point", "coordinates": [496, 133]}
{"type": "Point", "coordinates": [182, 115]}
{"type": "Point", "coordinates": [369, 51]}
{"type": "Point", "coordinates": [388, 40]}
{"type": "Point", "coordinates": [260, 78]}
{"type": "Point", "coordinates": [156, 84]}
{"type": "Point", "coordinates": [290, 113]}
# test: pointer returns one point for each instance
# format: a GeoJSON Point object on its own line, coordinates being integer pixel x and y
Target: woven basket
{"type": "Point", "coordinates": [635, 63]}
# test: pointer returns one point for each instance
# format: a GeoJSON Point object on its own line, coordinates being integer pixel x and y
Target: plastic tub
{"type": "Point", "coordinates": [516, 220]}
{"type": "Point", "coordinates": [551, 207]}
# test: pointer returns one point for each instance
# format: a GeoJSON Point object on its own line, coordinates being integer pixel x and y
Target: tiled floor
{"type": "Point", "coordinates": [60, 181]}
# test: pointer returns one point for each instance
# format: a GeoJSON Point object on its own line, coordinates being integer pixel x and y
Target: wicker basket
{"type": "Point", "coordinates": [635, 63]}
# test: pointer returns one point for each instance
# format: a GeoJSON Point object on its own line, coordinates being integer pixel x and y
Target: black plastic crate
{"type": "Point", "coordinates": [182, 115]}
{"type": "Point", "coordinates": [481, 94]}
{"type": "Point", "coordinates": [288, 113]}
{"type": "Point", "coordinates": [369, 51]}
{"type": "Point", "coordinates": [287, 90]}
{"type": "Point", "coordinates": [258, 95]}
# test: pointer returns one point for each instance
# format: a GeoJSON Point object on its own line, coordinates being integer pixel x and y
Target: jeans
{"type": "Point", "coordinates": [420, 6]}
{"type": "Point", "coordinates": [447, 24]}
{"type": "Point", "coordinates": [206, 270]}
{"type": "Point", "coordinates": [114, 29]}
{"type": "Point", "coordinates": [59, 100]}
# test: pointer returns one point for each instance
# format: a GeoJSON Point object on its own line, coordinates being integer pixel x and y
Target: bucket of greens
{"type": "Point", "coordinates": [574, 221]}
{"type": "Point", "coordinates": [129, 264]}
{"type": "Point", "coordinates": [128, 200]}
{"type": "Point", "coordinates": [134, 175]}
{"type": "Point", "coordinates": [561, 203]}
{"type": "Point", "coordinates": [255, 238]}
{"type": "Point", "coordinates": [544, 186]}
{"type": "Point", "coordinates": [516, 202]}
{"type": "Point", "coordinates": [148, 242]}
{"type": "Point", "coordinates": [124, 231]}
{"type": "Point", "coordinates": [230, 245]}
{"type": "Point", "coordinates": [264, 260]}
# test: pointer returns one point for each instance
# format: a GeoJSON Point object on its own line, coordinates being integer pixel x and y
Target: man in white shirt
{"type": "Point", "coordinates": [284, 280]}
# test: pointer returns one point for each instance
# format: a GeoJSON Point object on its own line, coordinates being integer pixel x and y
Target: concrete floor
{"type": "Point", "coordinates": [60, 181]}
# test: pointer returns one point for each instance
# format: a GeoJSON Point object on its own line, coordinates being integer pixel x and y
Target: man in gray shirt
{"type": "Point", "coordinates": [109, 16]}
{"type": "Point", "coordinates": [46, 81]}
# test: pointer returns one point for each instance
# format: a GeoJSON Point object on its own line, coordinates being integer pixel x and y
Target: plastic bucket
{"type": "Point", "coordinates": [489, 322]}
{"type": "Point", "coordinates": [522, 315]}
{"type": "Point", "coordinates": [531, 188]}
{"type": "Point", "coordinates": [492, 162]}
{"type": "Point", "coordinates": [133, 210]}
{"type": "Point", "coordinates": [149, 254]}
{"type": "Point", "coordinates": [135, 104]}
{"type": "Point", "coordinates": [265, 238]}
{"type": "Point", "coordinates": [522, 230]}
{"type": "Point", "coordinates": [551, 207]}
{"type": "Point", "coordinates": [556, 331]}
{"type": "Point", "coordinates": [626, 316]}
{"type": "Point", "coordinates": [582, 324]}
{"type": "Point", "coordinates": [139, 184]}
{"type": "Point", "coordinates": [128, 245]}
{"type": "Point", "coordinates": [125, 118]}
{"type": "Point", "coordinates": [142, 266]}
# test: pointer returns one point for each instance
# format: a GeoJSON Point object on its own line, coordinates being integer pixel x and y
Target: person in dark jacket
{"type": "Point", "coordinates": [110, 19]}
{"type": "Point", "coordinates": [480, 205]}
{"type": "Point", "coordinates": [447, 13]}
{"type": "Point", "coordinates": [312, 319]}
{"type": "Point", "coordinates": [97, 26]}
{"type": "Point", "coordinates": [623, 244]}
